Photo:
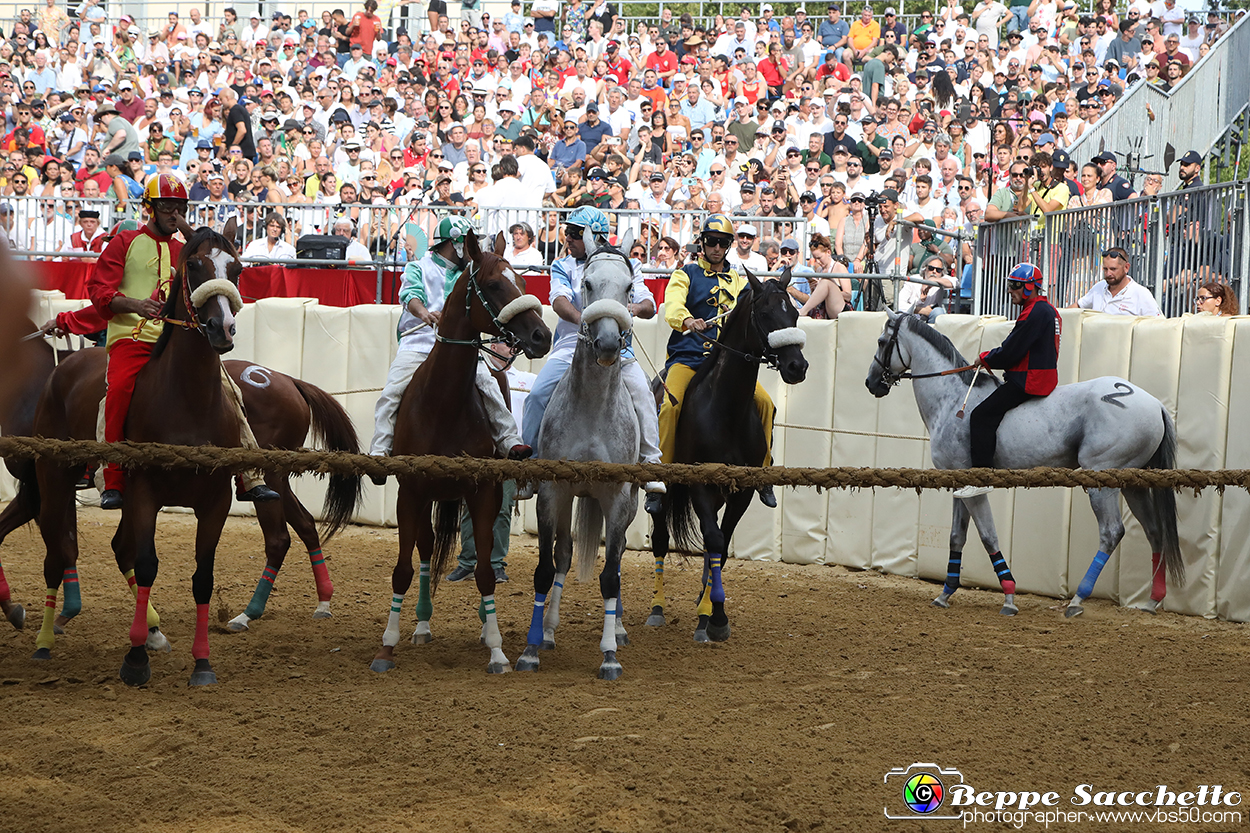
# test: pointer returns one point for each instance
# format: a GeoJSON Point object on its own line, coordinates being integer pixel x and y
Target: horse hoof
{"type": "Point", "coordinates": [17, 616]}
{"type": "Point", "coordinates": [419, 638]}
{"type": "Point", "coordinates": [1009, 610]}
{"type": "Point", "coordinates": [942, 601]}
{"type": "Point", "coordinates": [58, 630]}
{"type": "Point", "coordinates": [42, 654]}
{"type": "Point", "coordinates": [610, 669]}
{"type": "Point", "coordinates": [528, 660]}
{"type": "Point", "coordinates": [498, 668]}
{"type": "Point", "coordinates": [718, 633]}
{"type": "Point", "coordinates": [202, 675]}
{"type": "Point", "coordinates": [655, 620]}
{"type": "Point", "coordinates": [701, 636]}
{"type": "Point", "coordinates": [157, 642]}
{"type": "Point", "coordinates": [548, 645]}
{"type": "Point", "coordinates": [322, 614]}
{"type": "Point", "coordinates": [135, 675]}
{"type": "Point", "coordinates": [1152, 607]}
{"type": "Point", "coordinates": [622, 640]}
{"type": "Point", "coordinates": [239, 623]}
{"type": "Point", "coordinates": [1073, 610]}
{"type": "Point", "coordinates": [381, 666]}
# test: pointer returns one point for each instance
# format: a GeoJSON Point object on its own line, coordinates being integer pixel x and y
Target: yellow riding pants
{"type": "Point", "coordinates": [679, 376]}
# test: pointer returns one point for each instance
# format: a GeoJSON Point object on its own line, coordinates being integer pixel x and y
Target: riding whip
{"type": "Point", "coordinates": [960, 413]}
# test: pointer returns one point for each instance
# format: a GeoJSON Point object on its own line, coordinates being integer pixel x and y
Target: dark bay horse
{"type": "Point", "coordinates": [178, 399]}
{"type": "Point", "coordinates": [442, 413]}
{"type": "Point", "coordinates": [719, 423]}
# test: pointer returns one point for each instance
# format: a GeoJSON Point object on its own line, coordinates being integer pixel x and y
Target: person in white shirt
{"type": "Point", "coordinates": [533, 172]}
{"type": "Point", "coordinates": [741, 255]}
{"type": "Point", "coordinates": [522, 252]}
{"type": "Point", "coordinates": [356, 250]}
{"type": "Point", "coordinates": [273, 245]}
{"type": "Point", "coordinates": [508, 192]}
{"type": "Point", "coordinates": [1117, 293]}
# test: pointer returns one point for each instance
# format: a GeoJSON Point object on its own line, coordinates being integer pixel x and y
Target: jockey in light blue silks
{"type": "Point", "coordinates": [426, 283]}
{"type": "Point", "coordinates": [566, 300]}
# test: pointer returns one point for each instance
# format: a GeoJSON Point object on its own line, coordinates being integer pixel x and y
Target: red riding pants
{"type": "Point", "coordinates": [126, 359]}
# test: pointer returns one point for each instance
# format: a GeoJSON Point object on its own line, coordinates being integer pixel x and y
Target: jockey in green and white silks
{"type": "Point", "coordinates": [426, 284]}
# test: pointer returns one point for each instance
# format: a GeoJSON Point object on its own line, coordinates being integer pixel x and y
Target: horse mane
{"type": "Point", "coordinates": [744, 300]}
{"type": "Point", "coordinates": [202, 236]}
{"type": "Point", "coordinates": [946, 348]}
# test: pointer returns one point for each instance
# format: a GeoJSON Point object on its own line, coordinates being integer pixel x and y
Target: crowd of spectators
{"type": "Point", "coordinates": [371, 122]}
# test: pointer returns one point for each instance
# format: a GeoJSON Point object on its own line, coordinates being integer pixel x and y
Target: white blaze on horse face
{"type": "Point", "coordinates": [511, 275]}
{"type": "Point", "coordinates": [221, 260]}
{"type": "Point", "coordinates": [227, 317]}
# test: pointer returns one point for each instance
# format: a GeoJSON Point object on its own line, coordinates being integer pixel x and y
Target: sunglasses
{"type": "Point", "coordinates": [1116, 254]}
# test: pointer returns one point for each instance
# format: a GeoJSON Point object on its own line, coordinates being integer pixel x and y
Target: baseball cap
{"type": "Point", "coordinates": [1046, 138]}
{"type": "Point", "coordinates": [747, 186]}
{"type": "Point", "coordinates": [592, 107]}
{"type": "Point", "coordinates": [886, 155]}
{"type": "Point", "coordinates": [597, 173]}
{"type": "Point", "coordinates": [657, 177]}
{"type": "Point", "coordinates": [1105, 156]}
{"type": "Point", "coordinates": [1060, 159]}
{"type": "Point", "coordinates": [1191, 158]}
{"type": "Point", "coordinates": [889, 194]}
{"type": "Point", "coordinates": [747, 228]}
{"type": "Point", "coordinates": [790, 243]}
{"type": "Point", "coordinates": [203, 144]}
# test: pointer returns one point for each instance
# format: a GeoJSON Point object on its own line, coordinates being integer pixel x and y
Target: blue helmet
{"type": "Point", "coordinates": [1029, 276]}
{"type": "Point", "coordinates": [587, 216]}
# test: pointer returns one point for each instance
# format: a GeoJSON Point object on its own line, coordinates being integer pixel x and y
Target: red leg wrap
{"type": "Point", "coordinates": [1159, 583]}
{"type": "Point", "coordinates": [199, 649]}
{"type": "Point", "coordinates": [325, 588]}
{"type": "Point", "coordinates": [139, 627]}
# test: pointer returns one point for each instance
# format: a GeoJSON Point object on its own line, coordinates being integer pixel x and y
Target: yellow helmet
{"type": "Point", "coordinates": [718, 224]}
{"type": "Point", "coordinates": [164, 187]}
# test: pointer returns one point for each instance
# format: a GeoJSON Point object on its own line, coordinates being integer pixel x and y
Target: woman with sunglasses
{"type": "Point", "coordinates": [851, 232]}
{"type": "Point", "coordinates": [478, 179]}
{"type": "Point", "coordinates": [443, 120]}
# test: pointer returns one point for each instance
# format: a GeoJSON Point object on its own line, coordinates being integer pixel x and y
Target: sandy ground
{"type": "Point", "coordinates": [831, 679]}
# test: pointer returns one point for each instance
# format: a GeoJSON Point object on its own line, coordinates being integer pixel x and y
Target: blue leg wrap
{"type": "Point", "coordinates": [535, 635]}
{"type": "Point", "coordinates": [718, 590]}
{"type": "Point", "coordinates": [1091, 575]}
{"type": "Point", "coordinates": [952, 573]}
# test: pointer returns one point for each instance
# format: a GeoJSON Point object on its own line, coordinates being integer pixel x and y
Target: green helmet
{"type": "Point", "coordinates": [453, 228]}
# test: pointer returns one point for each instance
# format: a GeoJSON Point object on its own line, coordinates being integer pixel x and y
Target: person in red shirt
{"type": "Point", "coordinates": [365, 26]}
{"type": "Point", "coordinates": [773, 69]}
{"type": "Point", "coordinates": [618, 67]}
{"type": "Point", "coordinates": [664, 62]}
{"type": "Point", "coordinates": [22, 115]}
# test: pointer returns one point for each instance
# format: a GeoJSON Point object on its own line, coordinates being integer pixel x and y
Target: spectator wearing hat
{"type": "Point", "coordinates": [1191, 170]}
{"type": "Point", "coordinates": [1110, 180]}
{"type": "Point", "coordinates": [834, 33]}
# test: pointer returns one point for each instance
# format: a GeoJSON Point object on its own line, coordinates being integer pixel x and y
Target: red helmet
{"type": "Point", "coordinates": [164, 187]}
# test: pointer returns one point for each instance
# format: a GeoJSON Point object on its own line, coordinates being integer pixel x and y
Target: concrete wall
{"type": "Point", "coordinates": [1191, 364]}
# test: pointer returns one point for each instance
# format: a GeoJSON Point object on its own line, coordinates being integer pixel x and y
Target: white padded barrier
{"type": "Point", "coordinates": [1232, 590]}
{"type": "Point", "coordinates": [851, 520]}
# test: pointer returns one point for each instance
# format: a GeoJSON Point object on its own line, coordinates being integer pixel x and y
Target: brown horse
{"type": "Point", "coordinates": [442, 413]}
{"type": "Point", "coordinates": [281, 410]}
{"type": "Point", "coordinates": [178, 399]}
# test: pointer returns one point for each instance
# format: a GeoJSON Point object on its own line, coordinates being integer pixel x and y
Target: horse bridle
{"type": "Point", "coordinates": [583, 330]}
{"type": "Point", "coordinates": [191, 323]}
{"type": "Point", "coordinates": [767, 357]}
{"type": "Point", "coordinates": [889, 376]}
{"type": "Point", "coordinates": [508, 337]}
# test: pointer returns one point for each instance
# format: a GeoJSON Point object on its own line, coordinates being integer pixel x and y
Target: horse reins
{"type": "Point", "coordinates": [893, 379]}
{"type": "Point", "coordinates": [477, 342]}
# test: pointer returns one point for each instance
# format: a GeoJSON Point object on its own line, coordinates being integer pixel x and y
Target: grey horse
{"type": "Point", "coordinates": [590, 418]}
{"type": "Point", "coordinates": [1102, 423]}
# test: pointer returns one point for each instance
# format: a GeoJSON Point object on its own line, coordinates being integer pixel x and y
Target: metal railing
{"type": "Point", "coordinates": [1192, 116]}
{"type": "Point", "coordinates": [1176, 242]}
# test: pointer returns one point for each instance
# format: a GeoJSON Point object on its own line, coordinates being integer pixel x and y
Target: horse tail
{"type": "Point", "coordinates": [683, 525]}
{"type": "Point", "coordinates": [446, 535]}
{"type": "Point", "coordinates": [1163, 502]}
{"type": "Point", "coordinates": [589, 529]}
{"type": "Point", "coordinates": [332, 429]}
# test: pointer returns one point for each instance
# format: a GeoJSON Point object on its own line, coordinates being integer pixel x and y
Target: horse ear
{"type": "Point", "coordinates": [231, 230]}
{"type": "Point", "coordinates": [891, 314]}
{"type": "Point", "coordinates": [627, 242]}
{"type": "Point", "coordinates": [500, 244]}
{"type": "Point", "coordinates": [472, 249]}
{"type": "Point", "coordinates": [588, 238]}
{"type": "Point", "coordinates": [753, 281]}
{"type": "Point", "coordinates": [784, 280]}
{"type": "Point", "coordinates": [183, 226]}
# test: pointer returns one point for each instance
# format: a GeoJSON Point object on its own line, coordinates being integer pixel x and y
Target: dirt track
{"type": "Point", "coordinates": [831, 679]}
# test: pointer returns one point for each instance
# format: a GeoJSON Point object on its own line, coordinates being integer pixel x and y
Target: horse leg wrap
{"type": "Point", "coordinates": [657, 600]}
{"type": "Point", "coordinates": [952, 572]}
{"type": "Point", "coordinates": [325, 587]}
{"type": "Point", "coordinates": [535, 634]}
{"type": "Point", "coordinates": [199, 648]}
{"type": "Point", "coordinates": [425, 607]}
{"type": "Point", "coordinates": [390, 636]}
{"type": "Point", "coordinates": [1159, 582]}
{"type": "Point", "coordinates": [1004, 573]}
{"type": "Point", "coordinates": [154, 619]}
{"type": "Point", "coordinates": [139, 627]}
{"type": "Point", "coordinates": [256, 607]}
{"type": "Point", "coordinates": [4, 586]}
{"type": "Point", "coordinates": [551, 619]}
{"type": "Point", "coordinates": [1091, 575]}
{"type": "Point", "coordinates": [47, 637]}
{"type": "Point", "coordinates": [608, 641]}
{"type": "Point", "coordinates": [705, 597]}
{"type": "Point", "coordinates": [494, 641]}
{"type": "Point", "coordinates": [718, 590]}
{"type": "Point", "coordinates": [72, 605]}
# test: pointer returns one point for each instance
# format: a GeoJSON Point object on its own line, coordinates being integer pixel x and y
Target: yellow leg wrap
{"type": "Point", "coordinates": [764, 404]}
{"type": "Point", "coordinates": [705, 600]}
{"type": "Point", "coordinates": [658, 599]}
{"type": "Point", "coordinates": [47, 638]}
{"type": "Point", "coordinates": [154, 618]}
{"type": "Point", "coordinates": [679, 376]}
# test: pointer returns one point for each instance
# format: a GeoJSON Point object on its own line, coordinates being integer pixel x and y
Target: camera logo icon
{"type": "Point", "coordinates": [919, 791]}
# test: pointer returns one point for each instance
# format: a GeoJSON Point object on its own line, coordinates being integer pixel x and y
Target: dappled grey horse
{"type": "Point", "coordinates": [590, 417]}
{"type": "Point", "coordinates": [1103, 423]}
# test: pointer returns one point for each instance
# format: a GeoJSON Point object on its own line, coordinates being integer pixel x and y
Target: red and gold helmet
{"type": "Point", "coordinates": [164, 187]}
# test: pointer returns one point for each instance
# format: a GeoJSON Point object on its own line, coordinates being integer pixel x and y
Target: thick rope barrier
{"type": "Point", "coordinates": [212, 458]}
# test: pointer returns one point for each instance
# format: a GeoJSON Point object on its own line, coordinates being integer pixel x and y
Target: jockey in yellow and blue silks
{"type": "Point", "coordinates": [696, 294]}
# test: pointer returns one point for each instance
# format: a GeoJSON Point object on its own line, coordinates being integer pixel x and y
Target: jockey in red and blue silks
{"type": "Point", "coordinates": [1029, 357]}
